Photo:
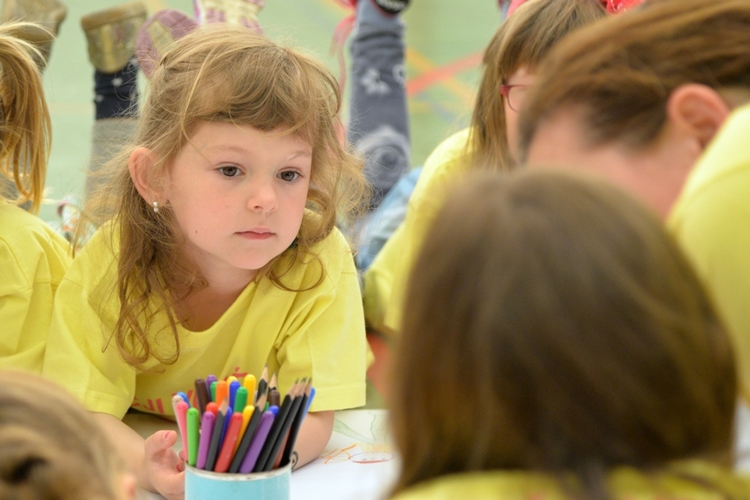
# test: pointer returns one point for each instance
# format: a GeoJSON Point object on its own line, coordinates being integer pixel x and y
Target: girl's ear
{"type": "Point", "coordinates": [698, 110]}
{"type": "Point", "coordinates": [140, 164]}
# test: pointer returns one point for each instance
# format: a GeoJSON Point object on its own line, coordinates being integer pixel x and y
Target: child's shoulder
{"type": "Point", "coordinates": [30, 240]}
{"type": "Point", "coordinates": [329, 258]}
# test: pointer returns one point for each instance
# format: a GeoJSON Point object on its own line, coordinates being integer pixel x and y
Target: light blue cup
{"type": "Point", "coordinates": [203, 485]}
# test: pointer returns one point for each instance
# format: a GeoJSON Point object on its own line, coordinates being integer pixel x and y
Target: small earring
{"type": "Point", "coordinates": [156, 206]}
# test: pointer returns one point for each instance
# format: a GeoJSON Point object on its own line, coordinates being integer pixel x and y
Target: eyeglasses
{"type": "Point", "coordinates": [514, 94]}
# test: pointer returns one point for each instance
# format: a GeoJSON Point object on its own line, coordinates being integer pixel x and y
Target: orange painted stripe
{"type": "Point", "coordinates": [444, 74]}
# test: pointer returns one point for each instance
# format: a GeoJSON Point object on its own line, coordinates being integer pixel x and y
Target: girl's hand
{"type": "Point", "coordinates": [164, 468]}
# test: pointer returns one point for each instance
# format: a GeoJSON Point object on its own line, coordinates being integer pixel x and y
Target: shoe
{"type": "Point", "coordinates": [48, 14]}
{"type": "Point", "coordinates": [38, 36]}
{"type": "Point", "coordinates": [235, 12]}
{"type": "Point", "coordinates": [111, 35]}
{"type": "Point", "coordinates": [158, 34]}
{"type": "Point", "coordinates": [392, 7]}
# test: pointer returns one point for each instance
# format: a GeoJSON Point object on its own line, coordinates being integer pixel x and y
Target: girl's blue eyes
{"type": "Point", "coordinates": [287, 175]}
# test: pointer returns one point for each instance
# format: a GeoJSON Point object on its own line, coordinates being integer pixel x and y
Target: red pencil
{"type": "Point", "coordinates": [227, 449]}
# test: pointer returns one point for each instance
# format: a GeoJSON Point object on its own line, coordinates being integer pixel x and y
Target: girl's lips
{"type": "Point", "coordinates": [256, 235]}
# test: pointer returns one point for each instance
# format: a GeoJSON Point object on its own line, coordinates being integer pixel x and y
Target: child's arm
{"type": "Point", "coordinates": [313, 437]}
{"type": "Point", "coordinates": [153, 461]}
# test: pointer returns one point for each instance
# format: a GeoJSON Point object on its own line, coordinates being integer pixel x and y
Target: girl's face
{"type": "Point", "coordinates": [515, 89]}
{"type": "Point", "coordinates": [238, 195]}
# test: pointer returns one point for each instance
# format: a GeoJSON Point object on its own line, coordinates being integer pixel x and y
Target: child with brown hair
{"type": "Point", "coordinates": [223, 256]}
{"type": "Point", "coordinates": [33, 258]}
{"type": "Point", "coordinates": [573, 353]}
{"type": "Point", "coordinates": [51, 448]}
{"type": "Point", "coordinates": [510, 61]}
{"type": "Point", "coordinates": [656, 101]}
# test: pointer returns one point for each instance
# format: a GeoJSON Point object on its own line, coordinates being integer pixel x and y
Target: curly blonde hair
{"type": "Point", "coordinates": [221, 74]}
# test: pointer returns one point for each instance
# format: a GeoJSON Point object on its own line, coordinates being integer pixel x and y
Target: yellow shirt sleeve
{"type": "Point", "coordinates": [326, 338]}
{"type": "Point", "coordinates": [386, 280]}
{"type": "Point", "coordinates": [33, 259]}
{"type": "Point", "coordinates": [713, 229]}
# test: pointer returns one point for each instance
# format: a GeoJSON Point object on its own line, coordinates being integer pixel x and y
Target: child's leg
{"type": "Point", "coordinates": [379, 122]}
{"type": "Point", "coordinates": [111, 36]}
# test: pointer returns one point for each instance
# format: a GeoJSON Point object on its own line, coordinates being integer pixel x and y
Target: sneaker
{"type": "Point", "coordinates": [392, 7]}
{"type": "Point", "coordinates": [111, 35]}
{"type": "Point", "coordinates": [46, 13]}
{"type": "Point", "coordinates": [156, 36]}
{"type": "Point", "coordinates": [235, 12]}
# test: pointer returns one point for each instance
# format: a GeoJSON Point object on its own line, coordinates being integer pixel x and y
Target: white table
{"type": "Point", "coordinates": [358, 462]}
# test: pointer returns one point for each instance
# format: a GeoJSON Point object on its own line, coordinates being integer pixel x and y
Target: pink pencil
{"type": "Point", "coordinates": [181, 415]}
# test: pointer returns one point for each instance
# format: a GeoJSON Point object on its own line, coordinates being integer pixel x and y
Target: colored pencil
{"type": "Point", "coordinates": [233, 387]}
{"type": "Point", "coordinates": [207, 429]}
{"type": "Point", "coordinates": [201, 394]}
{"type": "Point", "coordinates": [227, 447]}
{"type": "Point", "coordinates": [294, 430]}
{"type": "Point", "coordinates": [193, 424]}
{"type": "Point", "coordinates": [275, 454]}
{"type": "Point", "coordinates": [247, 437]}
{"type": "Point", "coordinates": [216, 436]}
{"type": "Point", "coordinates": [222, 391]}
{"type": "Point", "coordinates": [248, 463]}
{"type": "Point", "coordinates": [273, 434]}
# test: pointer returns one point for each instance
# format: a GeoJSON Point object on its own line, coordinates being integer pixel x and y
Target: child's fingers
{"type": "Point", "coordinates": [160, 441]}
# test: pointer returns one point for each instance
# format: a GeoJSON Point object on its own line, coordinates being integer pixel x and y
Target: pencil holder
{"type": "Point", "coordinates": [204, 485]}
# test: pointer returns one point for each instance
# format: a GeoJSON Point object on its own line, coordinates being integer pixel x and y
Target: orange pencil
{"type": "Point", "coordinates": [227, 449]}
{"type": "Point", "coordinates": [222, 391]}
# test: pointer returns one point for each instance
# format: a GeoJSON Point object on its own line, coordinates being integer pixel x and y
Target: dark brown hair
{"type": "Point", "coordinates": [552, 324]}
{"type": "Point", "coordinates": [621, 72]}
{"type": "Point", "coordinates": [521, 41]}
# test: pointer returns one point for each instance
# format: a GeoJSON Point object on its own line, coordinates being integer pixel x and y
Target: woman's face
{"type": "Point", "coordinates": [514, 90]}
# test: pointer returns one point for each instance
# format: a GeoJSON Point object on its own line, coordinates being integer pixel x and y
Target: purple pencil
{"type": "Point", "coordinates": [207, 428]}
{"type": "Point", "coordinates": [209, 380]}
{"type": "Point", "coordinates": [257, 443]}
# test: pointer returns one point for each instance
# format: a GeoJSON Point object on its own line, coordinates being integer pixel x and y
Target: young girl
{"type": "Point", "coordinates": [656, 101]}
{"type": "Point", "coordinates": [509, 62]}
{"type": "Point", "coordinates": [223, 257]}
{"type": "Point", "coordinates": [572, 354]}
{"type": "Point", "coordinates": [33, 258]}
{"type": "Point", "coordinates": [51, 448]}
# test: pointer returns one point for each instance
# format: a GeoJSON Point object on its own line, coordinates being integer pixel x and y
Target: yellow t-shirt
{"type": "Point", "coordinates": [33, 260]}
{"type": "Point", "coordinates": [386, 279]}
{"type": "Point", "coordinates": [624, 484]}
{"type": "Point", "coordinates": [318, 332]}
{"type": "Point", "coordinates": [711, 221]}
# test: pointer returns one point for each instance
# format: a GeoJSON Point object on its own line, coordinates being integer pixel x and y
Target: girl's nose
{"type": "Point", "coordinates": [263, 197]}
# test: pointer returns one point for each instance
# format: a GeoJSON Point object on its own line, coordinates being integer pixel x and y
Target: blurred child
{"type": "Point", "coordinates": [657, 102]}
{"type": "Point", "coordinates": [572, 353]}
{"type": "Point", "coordinates": [223, 256]}
{"type": "Point", "coordinates": [51, 448]}
{"type": "Point", "coordinates": [33, 258]}
{"type": "Point", "coordinates": [510, 61]}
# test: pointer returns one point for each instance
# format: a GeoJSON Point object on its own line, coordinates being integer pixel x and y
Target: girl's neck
{"type": "Point", "coordinates": [201, 309]}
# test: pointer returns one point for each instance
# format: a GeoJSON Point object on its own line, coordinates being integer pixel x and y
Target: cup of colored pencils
{"type": "Point", "coordinates": [238, 438]}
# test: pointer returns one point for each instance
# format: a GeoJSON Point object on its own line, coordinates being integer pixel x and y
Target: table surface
{"type": "Point", "coordinates": [358, 462]}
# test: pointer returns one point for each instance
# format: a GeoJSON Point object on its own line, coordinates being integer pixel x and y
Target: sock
{"type": "Point", "coordinates": [117, 93]}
